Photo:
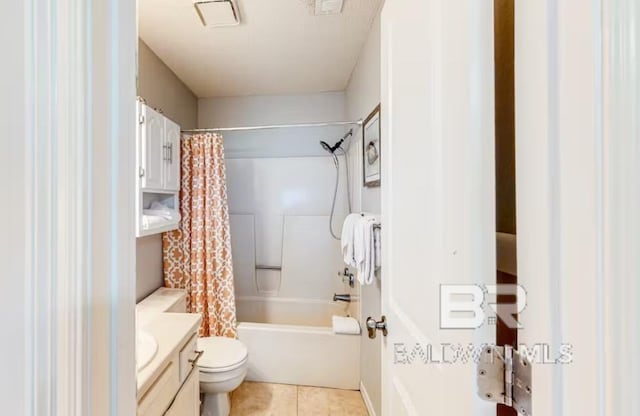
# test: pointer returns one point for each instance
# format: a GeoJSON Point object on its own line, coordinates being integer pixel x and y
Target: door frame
{"type": "Point", "coordinates": [577, 98]}
{"type": "Point", "coordinates": [69, 98]}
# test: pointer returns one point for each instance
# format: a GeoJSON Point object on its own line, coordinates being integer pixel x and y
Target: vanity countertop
{"type": "Point", "coordinates": [171, 331]}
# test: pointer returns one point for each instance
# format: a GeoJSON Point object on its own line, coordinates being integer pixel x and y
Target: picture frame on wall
{"type": "Point", "coordinates": [371, 149]}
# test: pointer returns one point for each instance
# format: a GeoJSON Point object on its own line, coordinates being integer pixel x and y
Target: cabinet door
{"type": "Point", "coordinates": [172, 161]}
{"type": "Point", "coordinates": [153, 151]}
{"type": "Point", "coordinates": [187, 401]}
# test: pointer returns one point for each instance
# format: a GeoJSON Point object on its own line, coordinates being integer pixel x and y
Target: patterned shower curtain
{"type": "Point", "coordinates": [197, 256]}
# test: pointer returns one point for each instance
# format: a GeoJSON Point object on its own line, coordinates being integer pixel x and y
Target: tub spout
{"type": "Point", "coordinates": [341, 298]}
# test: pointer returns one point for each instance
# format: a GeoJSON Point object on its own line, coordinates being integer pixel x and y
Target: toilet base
{"type": "Point", "coordinates": [216, 404]}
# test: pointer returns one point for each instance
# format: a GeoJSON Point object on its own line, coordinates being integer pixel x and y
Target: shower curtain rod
{"type": "Point", "coordinates": [275, 126]}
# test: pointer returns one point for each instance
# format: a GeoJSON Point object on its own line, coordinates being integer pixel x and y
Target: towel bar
{"type": "Point", "coordinates": [375, 226]}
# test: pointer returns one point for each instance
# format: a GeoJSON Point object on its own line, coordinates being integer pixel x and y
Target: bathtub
{"type": "Point", "coordinates": [290, 341]}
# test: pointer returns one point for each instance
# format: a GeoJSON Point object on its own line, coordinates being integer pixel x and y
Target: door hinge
{"type": "Point", "coordinates": [504, 376]}
{"type": "Point", "coordinates": [141, 172]}
{"type": "Point", "coordinates": [141, 120]}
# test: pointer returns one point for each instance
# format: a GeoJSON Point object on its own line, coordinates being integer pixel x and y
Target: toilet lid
{"type": "Point", "coordinates": [221, 353]}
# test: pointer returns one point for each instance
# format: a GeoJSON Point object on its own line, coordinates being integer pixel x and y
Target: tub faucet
{"type": "Point", "coordinates": [341, 298]}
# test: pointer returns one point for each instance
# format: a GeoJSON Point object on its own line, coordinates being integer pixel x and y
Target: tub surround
{"type": "Point", "coordinates": [285, 311]}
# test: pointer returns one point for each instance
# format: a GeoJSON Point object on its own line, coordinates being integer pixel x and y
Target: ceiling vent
{"type": "Point", "coordinates": [218, 13]}
{"type": "Point", "coordinates": [325, 7]}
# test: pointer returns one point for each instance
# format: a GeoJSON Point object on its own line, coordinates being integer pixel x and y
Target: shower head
{"type": "Point", "coordinates": [332, 149]}
{"type": "Point", "coordinates": [326, 146]}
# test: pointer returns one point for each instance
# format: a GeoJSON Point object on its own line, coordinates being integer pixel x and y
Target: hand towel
{"type": "Point", "coordinates": [347, 239]}
{"type": "Point", "coordinates": [367, 248]}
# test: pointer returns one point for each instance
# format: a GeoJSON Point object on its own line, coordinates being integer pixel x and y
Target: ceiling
{"type": "Point", "coordinates": [280, 47]}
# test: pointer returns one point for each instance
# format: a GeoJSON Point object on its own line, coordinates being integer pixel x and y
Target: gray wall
{"type": "Point", "coordinates": [162, 89]}
{"type": "Point", "coordinates": [363, 95]}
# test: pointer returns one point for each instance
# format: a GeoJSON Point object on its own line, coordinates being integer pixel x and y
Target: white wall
{"type": "Point", "coordinates": [280, 187]}
{"type": "Point", "coordinates": [363, 95]}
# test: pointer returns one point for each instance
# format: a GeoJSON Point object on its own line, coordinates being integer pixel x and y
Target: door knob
{"type": "Point", "coordinates": [373, 326]}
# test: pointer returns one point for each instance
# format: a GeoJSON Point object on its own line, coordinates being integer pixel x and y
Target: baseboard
{"type": "Point", "coordinates": [367, 400]}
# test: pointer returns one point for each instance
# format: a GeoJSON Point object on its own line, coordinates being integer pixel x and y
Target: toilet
{"type": "Point", "coordinates": [223, 363]}
{"type": "Point", "coordinates": [223, 367]}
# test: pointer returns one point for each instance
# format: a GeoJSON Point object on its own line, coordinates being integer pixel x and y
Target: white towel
{"type": "Point", "coordinates": [378, 245]}
{"type": "Point", "coordinates": [158, 215]}
{"type": "Point", "coordinates": [345, 325]}
{"type": "Point", "coordinates": [347, 239]}
{"type": "Point", "coordinates": [367, 248]}
{"type": "Point", "coordinates": [153, 221]}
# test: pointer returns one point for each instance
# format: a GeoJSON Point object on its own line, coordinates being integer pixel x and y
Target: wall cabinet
{"type": "Point", "coordinates": [158, 175]}
{"type": "Point", "coordinates": [159, 158]}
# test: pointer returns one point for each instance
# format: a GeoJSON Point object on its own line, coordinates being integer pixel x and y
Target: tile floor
{"type": "Point", "coordinates": [263, 399]}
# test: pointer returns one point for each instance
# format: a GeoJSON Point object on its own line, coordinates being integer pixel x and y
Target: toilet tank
{"type": "Point", "coordinates": [165, 300]}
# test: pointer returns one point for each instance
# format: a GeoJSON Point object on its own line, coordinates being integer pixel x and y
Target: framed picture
{"type": "Point", "coordinates": [371, 148]}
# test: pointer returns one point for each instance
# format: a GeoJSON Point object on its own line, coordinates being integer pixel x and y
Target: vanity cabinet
{"type": "Point", "coordinates": [176, 390]}
{"type": "Point", "coordinates": [187, 402]}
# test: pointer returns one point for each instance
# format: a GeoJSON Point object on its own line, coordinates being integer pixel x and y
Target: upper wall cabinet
{"type": "Point", "coordinates": [158, 182]}
{"type": "Point", "coordinates": [159, 151]}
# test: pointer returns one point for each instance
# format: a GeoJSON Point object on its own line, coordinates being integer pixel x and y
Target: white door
{"type": "Point", "coordinates": [172, 159]}
{"type": "Point", "coordinates": [438, 204]}
{"type": "Point", "coordinates": [153, 150]}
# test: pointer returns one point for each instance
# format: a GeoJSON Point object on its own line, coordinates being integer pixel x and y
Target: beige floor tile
{"type": "Point", "coordinates": [315, 401]}
{"type": "Point", "coordinates": [262, 399]}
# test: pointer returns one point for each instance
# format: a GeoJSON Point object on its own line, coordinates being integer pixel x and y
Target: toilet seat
{"type": "Point", "coordinates": [221, 354]}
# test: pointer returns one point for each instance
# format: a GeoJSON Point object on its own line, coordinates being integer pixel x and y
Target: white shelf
{"type": "Point", "coordinates": [159, 229]}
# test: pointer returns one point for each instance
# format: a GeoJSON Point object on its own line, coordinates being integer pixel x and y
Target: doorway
{"type": "Point", "coordinates": [505, 155]}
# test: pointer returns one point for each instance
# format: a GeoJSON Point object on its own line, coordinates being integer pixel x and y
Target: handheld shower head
{"type": "Point", "coordinates": [326, 146]}
{"type": "Point", "coordinates": [332, 149]}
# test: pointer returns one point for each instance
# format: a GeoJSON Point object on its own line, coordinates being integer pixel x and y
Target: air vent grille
{"type": "Point", "coordinates": [326, 7]}
{"type": "Point", "coordinates": [218, 13]}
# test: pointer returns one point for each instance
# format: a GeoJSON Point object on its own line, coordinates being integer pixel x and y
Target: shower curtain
{"type": "Point", "coordinates": [197, 256]}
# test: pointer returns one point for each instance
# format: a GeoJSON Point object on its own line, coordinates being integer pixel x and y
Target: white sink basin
{"type": "Point", "coordinates": [146, 349]}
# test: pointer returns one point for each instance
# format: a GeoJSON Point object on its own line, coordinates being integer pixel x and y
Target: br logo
{"type": "Point", "coordinates": [471, 306]}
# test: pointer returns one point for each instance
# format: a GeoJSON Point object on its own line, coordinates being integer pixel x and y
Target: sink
{"type": "Point", "coordinates": [146, 349]}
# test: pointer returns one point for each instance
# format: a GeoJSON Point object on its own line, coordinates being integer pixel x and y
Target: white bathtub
{"type": "Point", "coordinates": [291, 341]}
